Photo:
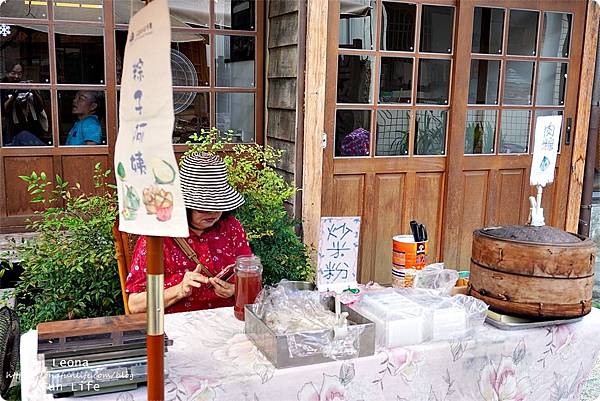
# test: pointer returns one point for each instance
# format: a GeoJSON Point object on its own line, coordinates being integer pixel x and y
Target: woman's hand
{"type": "Point", "coordinates": [190, 280]}
{"type": "Point", "coordinates": [223, 289]}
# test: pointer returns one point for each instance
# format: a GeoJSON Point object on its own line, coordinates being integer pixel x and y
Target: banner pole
{"type": "Point", "coordinates": [155, 319]}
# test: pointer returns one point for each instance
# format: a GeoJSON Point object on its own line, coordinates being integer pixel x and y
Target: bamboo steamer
{"type": "Point", "coordinates": [531, 271]}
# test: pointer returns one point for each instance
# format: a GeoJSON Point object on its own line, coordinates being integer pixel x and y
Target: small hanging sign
{"type": "Point", "coordinates": [150, 198]}
{"type": "Point", "coordinates": [338, 253]}
{"type": "Point", "coordinates": [545, 149]}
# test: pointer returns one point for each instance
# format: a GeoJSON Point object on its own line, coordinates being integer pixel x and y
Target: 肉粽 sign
{"type": "Point", "coordinates": [338, 253]}
{"type": "Point", "coordinates": [545, 148]}
{"type": "Point", "coordinates": [150, 199]}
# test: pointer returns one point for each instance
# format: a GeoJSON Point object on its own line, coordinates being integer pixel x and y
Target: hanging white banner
{"type": "Point", "coordinates": [150, 199]}
{"type": "Point", "coordinates": [545, 148]}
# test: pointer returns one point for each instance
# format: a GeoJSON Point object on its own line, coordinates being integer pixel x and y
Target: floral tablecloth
{"type": "Point", "coordinates": [212, 360]}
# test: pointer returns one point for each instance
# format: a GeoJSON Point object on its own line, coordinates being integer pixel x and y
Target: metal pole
{"type": "Point", "coordinates": [155, 319]}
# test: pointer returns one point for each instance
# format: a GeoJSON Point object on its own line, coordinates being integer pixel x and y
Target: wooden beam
{"type": "Point", "coordinates": [582, 121]}
{"type": "Point", "coordinates": [314, 118]}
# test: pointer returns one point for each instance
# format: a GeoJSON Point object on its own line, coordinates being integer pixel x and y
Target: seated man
{"type": "Point", "coordinates": [25, 120]}
{"type": "Point", "coordinates": [87, 130]}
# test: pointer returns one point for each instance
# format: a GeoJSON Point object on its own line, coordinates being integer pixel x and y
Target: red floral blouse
{"type": "Point", "coordinates": [217, 248]}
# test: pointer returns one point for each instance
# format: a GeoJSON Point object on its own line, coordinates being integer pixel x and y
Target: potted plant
{"type": "Point", "coordinates": [69, 268]}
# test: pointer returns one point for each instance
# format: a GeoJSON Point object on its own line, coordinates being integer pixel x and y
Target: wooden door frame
{"type": "Point", "coordinates": [582, 119]}
{"type": "Point", "coordinates": [318, 14]}
{"type": "Point", "coordinates": [314, 198]}
{"type": "Point", "coordinates": [454, 197]}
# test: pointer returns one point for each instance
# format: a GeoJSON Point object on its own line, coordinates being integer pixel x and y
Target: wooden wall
{"type": "Point", "coordinates": [284, 84]}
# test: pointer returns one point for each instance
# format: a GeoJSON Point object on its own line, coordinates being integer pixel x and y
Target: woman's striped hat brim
{"type": "Point", "coordinates": [204, 184]}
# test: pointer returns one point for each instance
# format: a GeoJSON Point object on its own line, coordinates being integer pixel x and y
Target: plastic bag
{"type": "Point", "coordinates": [308, 322]}
{"type": "Point", "coordinates": [435, 277]}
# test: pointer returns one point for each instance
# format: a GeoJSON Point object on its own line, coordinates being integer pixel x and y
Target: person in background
{"type": "Point", "coordinates": [216, 237]}
{"type": "Point", "coordinates": [87, 129]}
{"type": "Point", "coordinates": [25, 118]}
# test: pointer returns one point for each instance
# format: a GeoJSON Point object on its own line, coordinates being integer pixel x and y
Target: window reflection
{"type": "Point", "coordinates": [26, 117]}
{"type": "Point", "coordinates": [551, 82]}
{"type": "Point", "coordinates": [235, 14]}
{"type": "Point", "coordinates": [518, 82]}
{"type": "Point", "coordinates": [235, 112]}
{"type": "Point", "coordinates": [24, 9]}
{"type": "Point", "coordinates": [488, 26]}
{"type": "Point", "coordinates": [80, 58]}
{"type": "Point", "coordinates": [395, 84]}
{"type": "Point", "coordinates": [480, 132]}
{"type": "Point", "coordinates": [192, 114]}
{"type": "Point", "coordinates": [430, 132]}
{"type": "Point", "coordinates": [190, 59]}
{"type": "Point", "coordinates": [514, 131]}
{"type": "Point", "coordinates": [484, 80]}
{"type": "Point", "coordinates": [27, 48]}
{"type": "Point", "coordinates": [556, 34]}
{"type": "Point", "coordinates": [357, 23]}
{"type": "Point", "coordinates": [235, 60]}
{"type": "Point", "coordinates": [352, 132]}
{"type": "Point", "coordinates": [522, 32]}
{"type": "Point", "coordinates": [79, 10]}
{"type": "Point", "coordinates": [354, 79]}
{"type": "Point", "coordinates": [392, 132]}
{"type": "Point", "coordinates": [82, 118]}
{"type": "Point", "coordinates": [184, 13]}
{"type": "Point", "coordinates": [398, 26]}
{"type": "Point", "coordinates": [434, 81]}
{"type": "Point", "coordinates": [437, 26]}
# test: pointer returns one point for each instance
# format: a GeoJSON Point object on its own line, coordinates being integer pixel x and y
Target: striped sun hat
{"type": "Point", "coordinates": [204, 184]}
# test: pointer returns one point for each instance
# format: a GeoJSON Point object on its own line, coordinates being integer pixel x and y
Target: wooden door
{"type": "Point", "coordinates": [516, 60]}
{"type": "Point", "coordinates": [388, 99]}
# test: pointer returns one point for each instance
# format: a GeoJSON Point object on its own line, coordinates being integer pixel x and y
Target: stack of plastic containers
{"type": "Point", "coordinates": [411, 316]}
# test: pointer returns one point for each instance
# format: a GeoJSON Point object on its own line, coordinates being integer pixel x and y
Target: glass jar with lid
{"type": "Point", "coordinates": [248, 282]}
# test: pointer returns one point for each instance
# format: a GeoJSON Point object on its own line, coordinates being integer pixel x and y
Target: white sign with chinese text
{"type": "Point", "coordinates": [150, 199]}
{"type": "Point", "coordinates": [338, 253]}
{"type": "Point", "coordinates": [545, 148]}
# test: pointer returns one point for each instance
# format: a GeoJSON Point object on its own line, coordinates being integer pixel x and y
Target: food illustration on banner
{"type": "Point", "coordinates": [159, 202]}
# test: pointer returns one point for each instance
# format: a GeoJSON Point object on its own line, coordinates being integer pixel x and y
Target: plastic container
{"type": "Point", "coordinates": [408, 254]}
{"type": "Point", "coordinates": [248, 283]}
{"type": "Point", "coordinates": [408, 316]}
{"type": "Point", "coordinates": [398, 321]}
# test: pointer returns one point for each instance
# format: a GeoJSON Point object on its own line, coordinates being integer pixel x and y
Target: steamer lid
{"type": "Point", "coordinates": [543, 234]}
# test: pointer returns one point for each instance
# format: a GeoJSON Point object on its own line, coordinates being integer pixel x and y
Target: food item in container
{"type": "Point", "coordinates": [159, 202]}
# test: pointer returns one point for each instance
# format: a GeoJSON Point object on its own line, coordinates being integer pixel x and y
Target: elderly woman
{"type": "Point", "coordinates": [216, 237]}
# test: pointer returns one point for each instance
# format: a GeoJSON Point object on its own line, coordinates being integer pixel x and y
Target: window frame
{"type": "Point", "coordinates": [110, 88]}
{"type": "Point", "coordinates": [413, 107]}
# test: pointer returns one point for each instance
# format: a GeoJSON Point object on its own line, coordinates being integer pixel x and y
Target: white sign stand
{"type": "Point", "coordinates": [547, 134]}
{"type": "Point", "coordinates": [337, 261]}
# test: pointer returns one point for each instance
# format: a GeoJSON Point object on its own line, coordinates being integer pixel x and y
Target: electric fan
{"type": "Point", "coordinates": [184, 74]}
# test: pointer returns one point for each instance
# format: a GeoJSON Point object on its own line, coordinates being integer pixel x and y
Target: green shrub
{"type": "Point", "coordinates": [271, 232]}
{"type": "Point", "coordinates": [69, 270]}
